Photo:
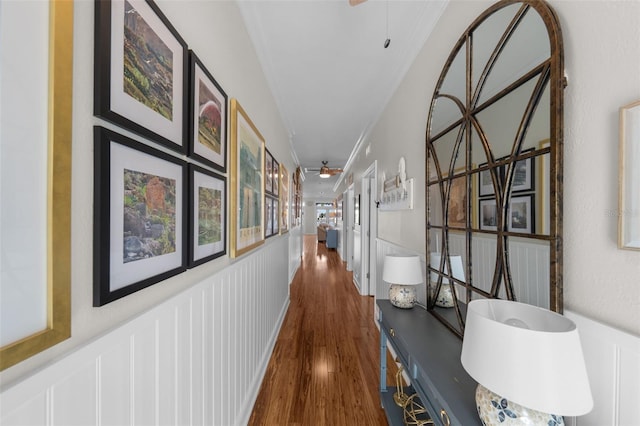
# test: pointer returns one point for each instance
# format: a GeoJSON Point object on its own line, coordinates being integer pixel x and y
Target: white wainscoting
{"type": "Point", "coordinates": [196, 359]}
{"type": "Point", "coordinates": [613, 364]}
{"type": "Point", "coordinates": [295, 250]}
{"type": "Point", "coordinates": [612, 358]}
{"type": "Point", "coordinates": [357, 257]}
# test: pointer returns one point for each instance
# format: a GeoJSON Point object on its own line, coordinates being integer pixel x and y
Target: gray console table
{"type": "Point", "coordinates": [430, 354]}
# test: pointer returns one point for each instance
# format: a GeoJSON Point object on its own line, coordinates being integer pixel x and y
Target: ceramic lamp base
{"type": "Point", "coordinates": [496, 410]}
{"type": "Point", "coordinates": [402, 296]}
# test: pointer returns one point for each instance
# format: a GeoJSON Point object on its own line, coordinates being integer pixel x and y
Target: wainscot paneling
{"type": "Point", "coordinates": [295, 250]}
{"type": "Point", "coordinates": [196, 359]}
{"type": "Point", "coordinates": [612, 356]}
{"type": "Point", "coordinates": [613, 365]}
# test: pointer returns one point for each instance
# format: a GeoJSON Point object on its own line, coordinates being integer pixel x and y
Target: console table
{"type": "Point", "coordinates": [430, 354]}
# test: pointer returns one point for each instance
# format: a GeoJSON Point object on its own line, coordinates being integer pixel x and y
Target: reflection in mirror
{"type": "Point", "coordinates": [447, 113]}
{"type": "Point", "coordinates": [446, 147]}
{"type": "Point", "coordinates": [487, 36]}
{"type": "Point", "coordinates": [451, 83]}
{"type": "Point", "coordinates": [501, 121]}
{"type": "Point", "coordinates": [515, 61]}
{"type": "Point", "coordinates": [494, 215]}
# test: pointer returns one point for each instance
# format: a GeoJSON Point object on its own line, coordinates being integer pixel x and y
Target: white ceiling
{"type": "Point", "coordinates": [329, 71]}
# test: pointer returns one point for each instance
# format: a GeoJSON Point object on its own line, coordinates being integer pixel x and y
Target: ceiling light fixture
{"type": "Point", "coordinates": [324, 172]}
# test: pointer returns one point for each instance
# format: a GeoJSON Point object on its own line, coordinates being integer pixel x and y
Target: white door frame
{"type": "Point", "coordinates": [369, 219]}
{"type": "Point", "coordinates": [348, 224]}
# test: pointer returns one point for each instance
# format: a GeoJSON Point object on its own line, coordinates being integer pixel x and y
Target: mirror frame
{"type": "Point", "coordinates": [554, 66]}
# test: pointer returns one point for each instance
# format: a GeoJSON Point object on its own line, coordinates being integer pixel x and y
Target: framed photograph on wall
{"type": "Point", "coordinates": [140, 71]}
{"type": "Point", "coordinates": [208, 215]}
{"type": "Point", "coordinates": [485, 184]}
{"type": "Point", "coordinates": [275, 172]}
{"type": "Point", "coordinates": [268, 172]}
{"type": "Point", "coordinates": [521, 214]}
{"type": "Point", "coordinates": [207, 117]}
{"type": "Point", "coordinates": [523, 175]}
{"type": "Point", "coordinates": [139, 222]}
{"type": "Point", "coordinates": [457, 213]}
{"type": "Point", "coordinates": [36, 152]}
{"type": "Point", "coordinates": [284, 199]}
{"type": "Point", "coordinates": [247, 185]}
{"type": "Point", "coordinates": [276, 216]}
{"type": "Point", "coordinates": [268, 217]}
{"type": "Point", "coordinates": [488, 214]}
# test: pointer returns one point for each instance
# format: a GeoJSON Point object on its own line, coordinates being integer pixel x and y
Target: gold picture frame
{"type": "Point", "coordinates": [58, 193]}
{"type": "Point", "coordinates": [247, 183]}
{"type": "Point", "coordinates": [629, 189]}
{"type": "Point", "coordinates": [284, 200]}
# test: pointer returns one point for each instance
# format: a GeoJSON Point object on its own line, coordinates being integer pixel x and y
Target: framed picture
{"type": "Point", "coordinates": [485, 184]}
{"type": "Point", "coordinates": [247, 185]}
{"type": "Point", "coordinates": [457, 213]}
{"type": "Point", "coordinates": [268, 217]}
{"type": "Point", "coordinates": [207, 117]}
{"type": "Point", "coordinates": [275, 216]}
{"type": "Point", "coordinates": [523, 175]}
{"type": "Point", "coordinates": [284, 197]}
{"type": "Point", "coordinates": [268, 172]}
{"type": "Point", "coordinates": [208, 215]}
{"type": "Point", "coordinates": [141, 71]}
{"type": "Point", "coordinates": [139, 216]}
{"type": "Point", "coordinates": [521, 214]}
{"type": "Point", "coordinates": [629, 178]}
{"type": "Point", "coordinates": [275, 172]}
{"type": "Point", "coordinates": [35, 202]}
{"type": "Point", "coordinates": [488, 214]}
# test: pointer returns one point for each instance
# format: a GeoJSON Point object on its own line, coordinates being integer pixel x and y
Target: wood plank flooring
{"type": "Point", "coordinates": [324, 369]}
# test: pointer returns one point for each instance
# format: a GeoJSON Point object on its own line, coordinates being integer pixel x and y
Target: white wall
{"type": "Point", "coordinates": [216, 32]}
{"type": "Point", "coordinates": [602, 61]}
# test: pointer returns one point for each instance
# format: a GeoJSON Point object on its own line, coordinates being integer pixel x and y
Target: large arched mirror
{"type": "Point", "coordinates": [494, 164]}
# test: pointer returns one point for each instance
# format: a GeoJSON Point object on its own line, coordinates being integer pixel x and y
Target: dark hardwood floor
{"type": "Point", "coordinates": [324, 369]}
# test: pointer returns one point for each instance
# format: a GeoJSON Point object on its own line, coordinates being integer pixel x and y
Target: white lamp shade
{"type": "Point", "coordinates": [528, 355]}
{"type": "Point", "coordinates": [402, 270]}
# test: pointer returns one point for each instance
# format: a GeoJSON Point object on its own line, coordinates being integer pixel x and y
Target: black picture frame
{"type": "Point", "coordinates": [521, 215]}
{"type": "Point", "coordinates": [487, 214]}
{"type": "Point", "coordinates": [146, 93]}
{"type": "Point", "coordinates": [524, 175]}
{"type": "Point", "coordinates": [207, 116]}
{"type": "Point", "coordinates": [140, 233]}
{"type": "Point", "coordinates": [207, 197]}
{"type": "Point", "coordinates": [485, 184]}
{"type": "Point", "coordinates": [276, 178]}
{"type": "Point", "coordinates": [269, 177]}
{"type": "Point", "coordinates": [271, 216]}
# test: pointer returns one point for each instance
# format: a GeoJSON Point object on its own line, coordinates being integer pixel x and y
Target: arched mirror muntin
{"type": "Point", "coordinates": [494, 156]}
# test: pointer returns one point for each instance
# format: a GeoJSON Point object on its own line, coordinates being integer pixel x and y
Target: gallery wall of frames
{"type": "Point", "coordinates": [162, 206]}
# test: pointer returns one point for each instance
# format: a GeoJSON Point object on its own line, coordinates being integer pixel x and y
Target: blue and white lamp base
{"type": "Point", "coordinates": [496, 410]}
{"type": "Point", "coordinates": [402, 296]}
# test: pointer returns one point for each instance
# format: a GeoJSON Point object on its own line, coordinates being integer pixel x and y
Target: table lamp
{"type": "Point", "coordinates": [403, 273]}
{"type": "Point", "coordinates": [528, 363]}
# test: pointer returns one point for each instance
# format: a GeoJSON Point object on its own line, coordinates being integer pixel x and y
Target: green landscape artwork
{"type": "Point", "coordinates": [209, 216]}
{"type": "Point", "coordinates": [148, 65]}
{"type": "Point", "coordinates": [149, 225]}
{"type": "Point", "coordinates": [209, 119]}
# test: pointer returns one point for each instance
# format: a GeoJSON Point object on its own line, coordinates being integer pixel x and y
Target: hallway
{"type": "Point", "coordinates": [324, 369]}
